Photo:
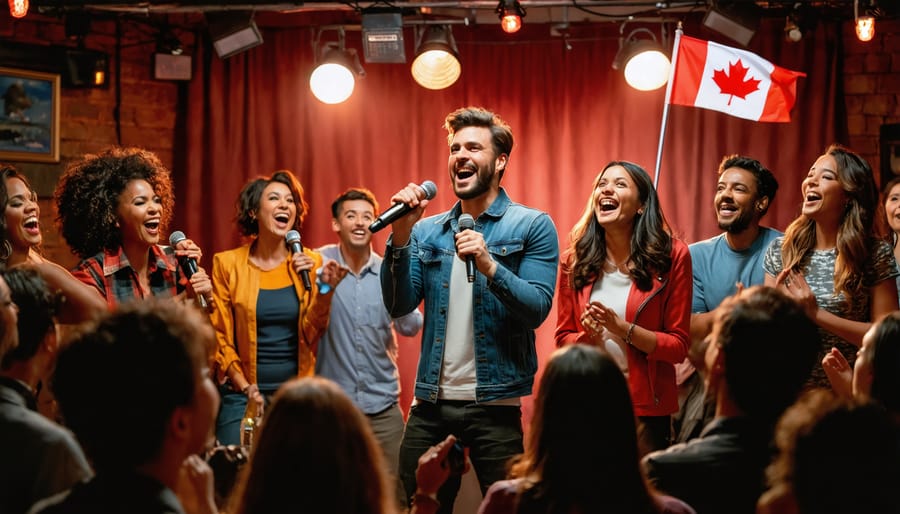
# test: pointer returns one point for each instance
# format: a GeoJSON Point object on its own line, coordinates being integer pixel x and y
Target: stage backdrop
{"type": "Point", "coordinates": [570, 113]}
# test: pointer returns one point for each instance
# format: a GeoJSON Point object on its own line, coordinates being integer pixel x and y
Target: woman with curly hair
{"type": "Point", "coordinates": [267, 323]}
{"type": "Point", "coordinates": [21, 247]}
{"type": "Point", "coordinates": [625, 286]}
{"type": "Point", "coordinates": [832, 258]}
{"type": "Point", "coordinates": [113, 208]}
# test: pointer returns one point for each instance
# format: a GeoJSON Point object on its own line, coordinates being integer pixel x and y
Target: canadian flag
{"type": "Point", "coordinates": [736, 82]}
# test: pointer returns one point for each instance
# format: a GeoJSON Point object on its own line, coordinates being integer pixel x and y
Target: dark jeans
{"type": "Point", "coordinates": [493, 434]}
{"type": "Point", "coordinates": [231, 411]}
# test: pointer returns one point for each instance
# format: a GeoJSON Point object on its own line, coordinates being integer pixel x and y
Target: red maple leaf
{"type": "Point", "coordinates": [733, 83]}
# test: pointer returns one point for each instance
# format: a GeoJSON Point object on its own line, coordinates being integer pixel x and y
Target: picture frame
{"type": "Point", "coordinates": [29, 121]}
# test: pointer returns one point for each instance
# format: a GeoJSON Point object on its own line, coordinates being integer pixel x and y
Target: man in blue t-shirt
{"type": "Point", "coordinates": [744, 193]}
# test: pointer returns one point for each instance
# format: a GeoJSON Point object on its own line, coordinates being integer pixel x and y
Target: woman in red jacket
{"type": "Point", "coordinates": [625, 286]}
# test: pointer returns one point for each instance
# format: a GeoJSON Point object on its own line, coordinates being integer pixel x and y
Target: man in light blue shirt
{"type": "Point", "coordinates": [744, 192]}
{"type": "Point", "coordinates": [358, 350]}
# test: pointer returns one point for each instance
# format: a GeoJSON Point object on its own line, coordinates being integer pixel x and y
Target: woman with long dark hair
{"type": "Point", "coordinates": [625, 285]}
{"type": "Point", "coordinates": [833, 259]}
{"type": "Point", "coordinates": [21, 246]}
{"type": "Point", "coordinates": [582, 453]}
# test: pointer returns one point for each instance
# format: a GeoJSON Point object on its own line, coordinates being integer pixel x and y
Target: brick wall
{"type": "Point", "coordinates": [871, 86]}
{"type": "Point", "coordinates": [87, 122]}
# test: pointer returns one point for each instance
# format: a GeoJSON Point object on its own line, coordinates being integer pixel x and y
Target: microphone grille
{"type": "Point", "coordinates": [292, 237]}
{"type": "Point", "coordinates": [176, 237]}
{"type": "Point", "coordinates": [429, 188]}
{"type": "Point", "coordinates": [466, 222]}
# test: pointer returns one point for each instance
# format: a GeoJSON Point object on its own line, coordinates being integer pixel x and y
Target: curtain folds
{"type": "Point", "coordinates": [570, 113]}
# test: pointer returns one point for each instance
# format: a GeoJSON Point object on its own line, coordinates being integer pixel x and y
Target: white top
{"type": "Point", "coordinates": [458, 377]}
{"type": "Point", "coordinates": [612, 291]}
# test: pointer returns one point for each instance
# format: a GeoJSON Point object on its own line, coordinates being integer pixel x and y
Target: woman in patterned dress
{"type": "Point", "coordinates": [832, 258]}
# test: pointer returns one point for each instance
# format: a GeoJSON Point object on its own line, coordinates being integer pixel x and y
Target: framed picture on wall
{"type": "Point", "coordinates": [29, 122]}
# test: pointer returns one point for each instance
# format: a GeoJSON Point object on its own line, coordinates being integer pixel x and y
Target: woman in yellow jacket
{"type": "Point", "coordinates": [266, 322]}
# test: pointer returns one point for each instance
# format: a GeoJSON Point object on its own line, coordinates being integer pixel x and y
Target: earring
{"type": "Point", "coordinates": [7, 251]}
{"type": "Point", "coordinates": [640, 211]}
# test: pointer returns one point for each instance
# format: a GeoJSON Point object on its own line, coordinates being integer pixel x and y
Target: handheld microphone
{"type": "Point", "coordinates": [398, 210]}
{"type": "Point", "coordinates": [467, 222]}
{"type": "Point", "coordinates": [292, 238]}
{"type": "Point", "coordinates": [188, 264]}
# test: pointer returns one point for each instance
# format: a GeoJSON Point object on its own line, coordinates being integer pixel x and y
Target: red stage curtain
{"type": "Point", "coordinates": [570, 112]}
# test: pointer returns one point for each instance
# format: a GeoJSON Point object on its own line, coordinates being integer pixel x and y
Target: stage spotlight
{"type": "Point", "coordinates": [436, 65]}
{"type": "Point", "coordinates": [233, 32]}
{"type": "Point", "coordinates": [737, 21]}
{"type": "Point", "coordinates": [334, 78]}
{"type": "Point", "coordinates": [511, 13]}
{"type": "Point", "coordinates": [792, 31]}
{"type": "Point", "coordinates": [803, 19]}
{"type": "Point", "coordinates": [643, 61]}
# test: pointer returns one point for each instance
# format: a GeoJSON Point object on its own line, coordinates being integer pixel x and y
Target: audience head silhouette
{"type": "Point", "coordinates": [317, 448]}
{"type": "Point", "coordinates": [877, 371]}
{"type": "Point", "coordinates": [583, 420]}
{"type": "Point", "coordinates": [134, 387]}
{"type": "Point", "coordinates": [747, 327]}
{"type": "Point", "coordinates": [835, 456]}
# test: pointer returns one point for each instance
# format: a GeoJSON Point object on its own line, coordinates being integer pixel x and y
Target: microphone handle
{"type": "Point", "coordinates": [296, 247]}
{"type": "Point", "coordinates": [189, 267]}
{"type": "Point", "coordinates": [470, 268]}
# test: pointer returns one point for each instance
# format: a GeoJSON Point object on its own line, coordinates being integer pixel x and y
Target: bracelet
{"type": "Point", "coordinates": [422, 498]}
{"type": "Point", "coordinates": [245, 389]}
{"type": "Point", "coordinates": [628, 334]}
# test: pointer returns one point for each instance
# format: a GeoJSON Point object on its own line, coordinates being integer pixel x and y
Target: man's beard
{"type": "Point", "coordinates": [737, 225]}
{"type": "Point", "coordinates": [482, 184]}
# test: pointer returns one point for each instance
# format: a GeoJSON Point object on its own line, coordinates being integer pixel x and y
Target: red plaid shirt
{"type": "Point", "coordinates": [112, 275]}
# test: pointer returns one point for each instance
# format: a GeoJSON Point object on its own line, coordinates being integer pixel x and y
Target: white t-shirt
{"type": "Point", "coordinates": [612, 291]}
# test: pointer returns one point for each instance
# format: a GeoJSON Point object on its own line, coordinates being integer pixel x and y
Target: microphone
{"type": "Point", "coordinates": [292, 238]}
{"type": "Point", "coordinates": [188, 264]}
{"type": "Point", "coordinates": [398, 210]}
{"type": "Point", "coordinates": [467, 222]}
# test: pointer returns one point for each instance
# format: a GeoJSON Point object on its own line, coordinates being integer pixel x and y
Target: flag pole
{"type": "Point", "coordinates": [665, 116]}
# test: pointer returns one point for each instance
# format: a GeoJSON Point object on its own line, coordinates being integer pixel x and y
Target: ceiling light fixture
{"type": "Point", "coordinates": [436, 65]}
{"type": "Point", "coordinates": [333, 80]}
{"type": "Point", "coordinates": [801, 20]}
{"type": "Point", "coordinates": [643, 61]}
{"type": "Point", "coordinates": [738, 21]}
{"type": "Point", "coordinates": [18, 8]}
{"type": "Point", "coordinates": [233, 32]}
{"type": "Point", "coordinates": [792, 31]}
{"type": "Point", "coordinates": [511, 13]}
{"type": "Point", "coordinates": [865, 24]}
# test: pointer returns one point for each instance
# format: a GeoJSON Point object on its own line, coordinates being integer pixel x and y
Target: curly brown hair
{"type": "Point", "coordinates": [87, 196]}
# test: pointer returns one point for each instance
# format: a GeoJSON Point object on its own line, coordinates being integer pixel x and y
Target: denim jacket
{"type": "Point", "coordinates": [507, 310]}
